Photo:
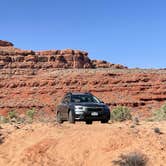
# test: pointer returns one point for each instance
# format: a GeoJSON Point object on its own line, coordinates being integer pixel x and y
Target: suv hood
{"type": "Point", "coordinates": [90, 104]}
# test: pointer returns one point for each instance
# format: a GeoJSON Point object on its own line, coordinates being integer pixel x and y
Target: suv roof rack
{"type": "Point", "coordinates": [70, 93]}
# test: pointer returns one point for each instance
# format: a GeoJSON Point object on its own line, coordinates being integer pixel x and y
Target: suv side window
{"type": "Point", "coordinates": [66, 99]}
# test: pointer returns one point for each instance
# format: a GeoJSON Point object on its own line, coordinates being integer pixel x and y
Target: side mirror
{"type": "Point", "coordinates": [66, 102]}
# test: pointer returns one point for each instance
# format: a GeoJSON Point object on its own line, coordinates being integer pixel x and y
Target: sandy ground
{"type": "Point", "coordinates": [42, 144]}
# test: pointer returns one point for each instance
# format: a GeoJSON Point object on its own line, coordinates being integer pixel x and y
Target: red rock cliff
{"type": "Point", "coordinates": [5, 43]}
{"type": "Point", "coordinates": [11, 57]}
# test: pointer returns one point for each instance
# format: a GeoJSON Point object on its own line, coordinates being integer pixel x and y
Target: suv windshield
{"type": "Point", "coordinates": [84, 99]}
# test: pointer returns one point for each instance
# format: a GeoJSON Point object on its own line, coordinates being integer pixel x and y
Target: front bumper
{"type": "Point", "coordinates": [87, 115]}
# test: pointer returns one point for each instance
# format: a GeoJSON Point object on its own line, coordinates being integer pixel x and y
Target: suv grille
{"type": "Point", "coordinates": [91, 109]}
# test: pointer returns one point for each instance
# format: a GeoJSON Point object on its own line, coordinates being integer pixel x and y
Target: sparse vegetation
{"type": "Point", "coordinates": [12, 117]}
{"type": "Point", "coordinates": [12, 114]}
{"type": "Point", "coordinates": [44, 117]}
{"type": "Point", "coordinates": [3, 119]}
{"type": "Point", "coordinates": [120, 113]}
{"type": "Point", "coordinates": [21, 120]}
{"type": "Point", "coordinates": [159, 115]}
{"type": "Point", "coordinates": [131, 159]}
{"type": "Point", "coordinates": [30, 114]}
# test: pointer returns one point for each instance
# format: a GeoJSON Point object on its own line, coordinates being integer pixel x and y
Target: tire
{"type": "Point", "coordinates": [58, 118]}
{"type": "Point", "coordinates": [88, 122]}
{"type": "Point", "coordinates": [71, 117]}
{"type": "Point", "coordinates": [105, 121]}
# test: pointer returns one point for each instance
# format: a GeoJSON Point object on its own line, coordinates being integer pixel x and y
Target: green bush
{"type": "Point", "coordinates": [159, 115]}
{"type": "Point", "coordinates": [120, 113]}
{"type": "Point", "coordinates": [30, 114]}
{"type": "Point", "coordinates": [12, 114]}
{"type": "Point", "coordinates": [3, 119]}
{"type": "Point", "coordinates": [131, 159]}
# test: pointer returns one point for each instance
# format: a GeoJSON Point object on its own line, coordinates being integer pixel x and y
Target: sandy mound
{"type": "Point", "coordinates": [80, 145]}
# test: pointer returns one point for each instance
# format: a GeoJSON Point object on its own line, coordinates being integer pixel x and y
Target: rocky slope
{"type": "Point", "coordinates": [38, 79]}
{"type": "Point", "coordinates": [141, 90]}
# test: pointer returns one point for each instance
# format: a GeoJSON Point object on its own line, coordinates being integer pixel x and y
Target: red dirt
{"type": "Point", "coordinates": [81, 145]}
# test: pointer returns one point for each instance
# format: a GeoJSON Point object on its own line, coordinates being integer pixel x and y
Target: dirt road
{"type": "Point", "coordinates": [41, 144]}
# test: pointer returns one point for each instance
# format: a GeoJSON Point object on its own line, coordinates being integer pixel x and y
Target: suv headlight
{"type": "Point", "coordinates": [79, 109]}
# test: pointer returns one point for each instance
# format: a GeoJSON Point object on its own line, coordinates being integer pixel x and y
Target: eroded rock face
{"type": "Point", "coordinates": [105, 64]}
{"type": "Point", "coordinates": [11, 57]}
{"type": "Point", "coordinates": [141, 90]}
{"type": "Point", "coordinates": [5, 43]}
{"type": "Point", "coordinates": [16, 58]}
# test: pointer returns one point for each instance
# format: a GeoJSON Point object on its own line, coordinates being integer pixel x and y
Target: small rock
{"type": "Point", "coordinates": [13, 120]}
{"type": "Point", "coordinates": [136, 121]}
{"type": "Point", "coordinates": [157, 130]}
{"type": "Point", "coordinates": [132, 126]}
{"type": "Point", "coordinates": [1, 138]}
{"type": "Point", "coordinates": [16, 127]}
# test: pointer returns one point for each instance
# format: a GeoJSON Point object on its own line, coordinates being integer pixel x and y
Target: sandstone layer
{"type": "Point", "coordinates": [11, 57]}
{"type": "Point", "coordinates": [39, 79]}
{"type": "Point", "coordinates": [5, 43]}
{"type": "Point", "coordinates": [141, 90]}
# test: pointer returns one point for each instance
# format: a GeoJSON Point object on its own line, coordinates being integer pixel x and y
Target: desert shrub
{"type": "Point", "coordinates": [131, 159]}
{"type": "Point", "coordinates": [121, 113]}
{"type": "Point", "coordinates": [20, 120]}
{"type": "Point", "coordinates": [44, 117]}
{"type": "Point", "coordinates": [30, 114]}
{"type": "Point", "coordinates": [12, 114]}
{"type": "Point", "coordinates": [3, 119]}
{"type": "Point", "coordinates": [159, 115]}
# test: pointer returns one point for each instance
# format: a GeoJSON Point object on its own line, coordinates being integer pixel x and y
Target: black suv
{"type": "Point", "coordinates": [82, 107]}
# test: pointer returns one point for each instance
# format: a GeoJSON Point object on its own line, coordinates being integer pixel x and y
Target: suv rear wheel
{"type": "Point", "coordinates": [58, 118]}
{"type": "Point", "coordinates": [71, 117]}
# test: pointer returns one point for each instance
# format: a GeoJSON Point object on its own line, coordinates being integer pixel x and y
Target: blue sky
{"type": "Point", "coordinates": [129, 32]}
